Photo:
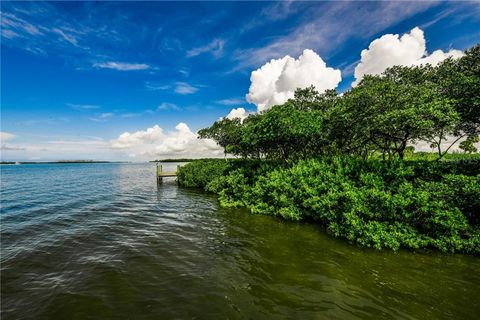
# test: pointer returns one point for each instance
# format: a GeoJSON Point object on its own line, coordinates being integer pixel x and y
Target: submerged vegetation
{"type": "Point", "coordinates": [347, 161]}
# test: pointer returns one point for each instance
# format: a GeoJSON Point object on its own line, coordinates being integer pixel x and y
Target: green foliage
{"type": "Point", "coordinates": [199, 172]}
{"type": "Point", "coordinates": [460, 81]}
{"type": "Point", "coordinates": [397, 107]}
{"type": "Point", "coordinates": [412, 204]}
{"type": "Point", "coordinates": [468, 145]}
{"type": "Point", "coordinates": [225, 132]}
{"type": "Point", "coordinates": [382, 115]}
{"type": "Point", "coordinates": [344, 161]}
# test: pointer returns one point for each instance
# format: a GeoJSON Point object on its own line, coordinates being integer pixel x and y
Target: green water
{"type": "Point", "coordinates": [102, 241]}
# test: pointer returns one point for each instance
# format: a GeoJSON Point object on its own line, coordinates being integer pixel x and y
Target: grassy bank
{"type": "Point", "coordinates": [413, 203]}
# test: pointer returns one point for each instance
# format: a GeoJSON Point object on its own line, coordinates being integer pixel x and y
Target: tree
{"type": "Point", "coordinates": [468, 145]}
{"type": "Point", "coordinates": [285, 132]}
{"type": "Point", "coordinates": [459, 82]}
{"type": "Point", "coordinates": [395, 108]}
{"type": "Point", "coordinates": [309, 99]}
{"type": "Point", "coordinates": [409, 151]}
{"type": "Point", "coordinates": [226, 132]}
{"type": "Point", "coordinates": [305, 99]}
{"type": "Point", "coordinates": [384, 113]}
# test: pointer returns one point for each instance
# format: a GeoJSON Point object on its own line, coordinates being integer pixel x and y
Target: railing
{"type": "Point", "coordinates": [164, 174]}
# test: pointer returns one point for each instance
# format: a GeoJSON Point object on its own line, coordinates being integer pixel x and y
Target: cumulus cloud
{"type": "Point", "coordinates": [276, 81]}
{"type": "Point", "coordinates": [392, 49]}
{"type": "Point", "coordinates": [127, 139]}
{"type": "Point", "coordinates": [239, 113]}
{"type": "Point", "coordinates": [121, 66]}
{"type": "Point", "coordinates": [5, 136]}
{"type": "Point", "coordinates": [155, 142]}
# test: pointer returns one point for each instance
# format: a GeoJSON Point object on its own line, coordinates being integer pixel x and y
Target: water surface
{"type": "Point", "coordinates": [102, 241]}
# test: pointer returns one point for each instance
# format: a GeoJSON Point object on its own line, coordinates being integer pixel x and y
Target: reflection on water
{"type": "Point", "coordinates": [102, 241]}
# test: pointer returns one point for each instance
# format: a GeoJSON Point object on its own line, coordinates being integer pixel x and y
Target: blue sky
{"type": "Point", "coordinates": [77, 75]}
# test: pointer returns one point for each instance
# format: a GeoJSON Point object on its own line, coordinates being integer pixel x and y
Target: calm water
{"type": "Point", "coordinates": [97, 241]}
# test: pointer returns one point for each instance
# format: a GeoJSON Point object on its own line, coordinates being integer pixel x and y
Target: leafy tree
{"type": "Point", "coordinates": [397, 107]}
{"type": "Point", "coordinates": [285, 132]}
{"type": "Point", "coordinates": [305, 99]}
{"type": "Point", "coordinates": [383, 114]}
{"type": "Point", "coordinates": [226, 132]}
{"type": "Point", "coordinates": [309, 99]}
{"type": "Point", "coordinates": [459, 81]}
{"type": "Point", "coordinates": [409, 151]}
{"type": "Point", "coordinates": [468, 145]}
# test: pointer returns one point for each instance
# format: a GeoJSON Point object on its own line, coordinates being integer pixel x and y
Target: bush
{"type": "Point", "coordinates": [199, 173]}
{"type": "Point", "coordinates": [371, 203]}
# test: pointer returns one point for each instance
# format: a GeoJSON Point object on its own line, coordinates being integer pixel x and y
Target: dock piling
{"type": "Point", "coordinates": [163, 174]}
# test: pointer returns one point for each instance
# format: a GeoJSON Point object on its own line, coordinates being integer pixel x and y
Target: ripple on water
{"type": "Point", "coordinates": [102, 241]}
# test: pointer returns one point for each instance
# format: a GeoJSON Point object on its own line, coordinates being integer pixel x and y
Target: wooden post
{"type": "Point", "coordinates": [159, 173]}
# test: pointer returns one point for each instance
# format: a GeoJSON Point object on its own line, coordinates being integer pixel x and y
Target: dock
{"type": "Point", "coordinates": [164, 174]}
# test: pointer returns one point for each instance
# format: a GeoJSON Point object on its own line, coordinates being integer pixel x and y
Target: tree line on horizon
{"type": "Point", "coordinates": [383, 115]}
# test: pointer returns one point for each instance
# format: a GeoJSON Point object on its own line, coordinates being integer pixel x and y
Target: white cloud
{"type": "Point", "coordinates": [154, 142]}
{"type": "Point", "coordinates": [12, 22]}
{"type": "Point", "coordinates": [215, 47]}
{"type": "Point", "coordinates": [7, 147]}
{"type": "Point", "coordinates": [156, 87]}
{"type": "Point", "coordinates": [137, 114]}
{"type": "Point", "coordinates": [276, 81]}
{"type": "Point", "coordinates": [392, 49]}
{"type": "Point", "coordinates": [239, 113]}
{"type": "Point", "coordinates": [438, 56]}
{"type": "Point", "coordinates": [9, 34]}
{"type": "Point", "coordinates": [6, 136]}
{"type": "Point", "coordinates": [231, 101]}
{"type": "Point", "coordinates": [321, 29]}
{"type": "Point", "coordinates": [121, 66]}
{"type": "Point", "coordinates": [67, 37]}
{"type": "Point", "coordinates": [185, 88]}
{"type": "Point", "coordinates": [82, 106]}
{"type": "Point", "coordinates": [167, 106]}
{"type": "Point", "coordinates": [102, 117]}
{"type": "Point", "coordinates": [127, 139]}
{"type": "Point", "coordinates": [184, 72]}
{"type": "Point", "coordinates": [62, 149]}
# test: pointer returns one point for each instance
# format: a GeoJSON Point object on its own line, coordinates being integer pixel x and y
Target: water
{"type": "Point", "coordinates": [101, 241]}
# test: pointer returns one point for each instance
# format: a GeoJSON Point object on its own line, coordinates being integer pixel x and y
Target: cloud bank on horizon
{"type": "Point", "coordinates": [156, 143]}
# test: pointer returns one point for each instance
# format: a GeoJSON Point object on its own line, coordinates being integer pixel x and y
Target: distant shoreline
{"type": "Point", "coordinates": [58, 162]}
{"type": "Point", "coordinates": [183, 160]}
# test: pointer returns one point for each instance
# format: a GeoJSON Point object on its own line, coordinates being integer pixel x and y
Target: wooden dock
{"type": "Point", "coordinates": [164, 174]}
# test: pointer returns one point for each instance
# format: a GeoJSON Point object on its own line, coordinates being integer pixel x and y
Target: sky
{"type": "Point", "coordinates": [135, 81]}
